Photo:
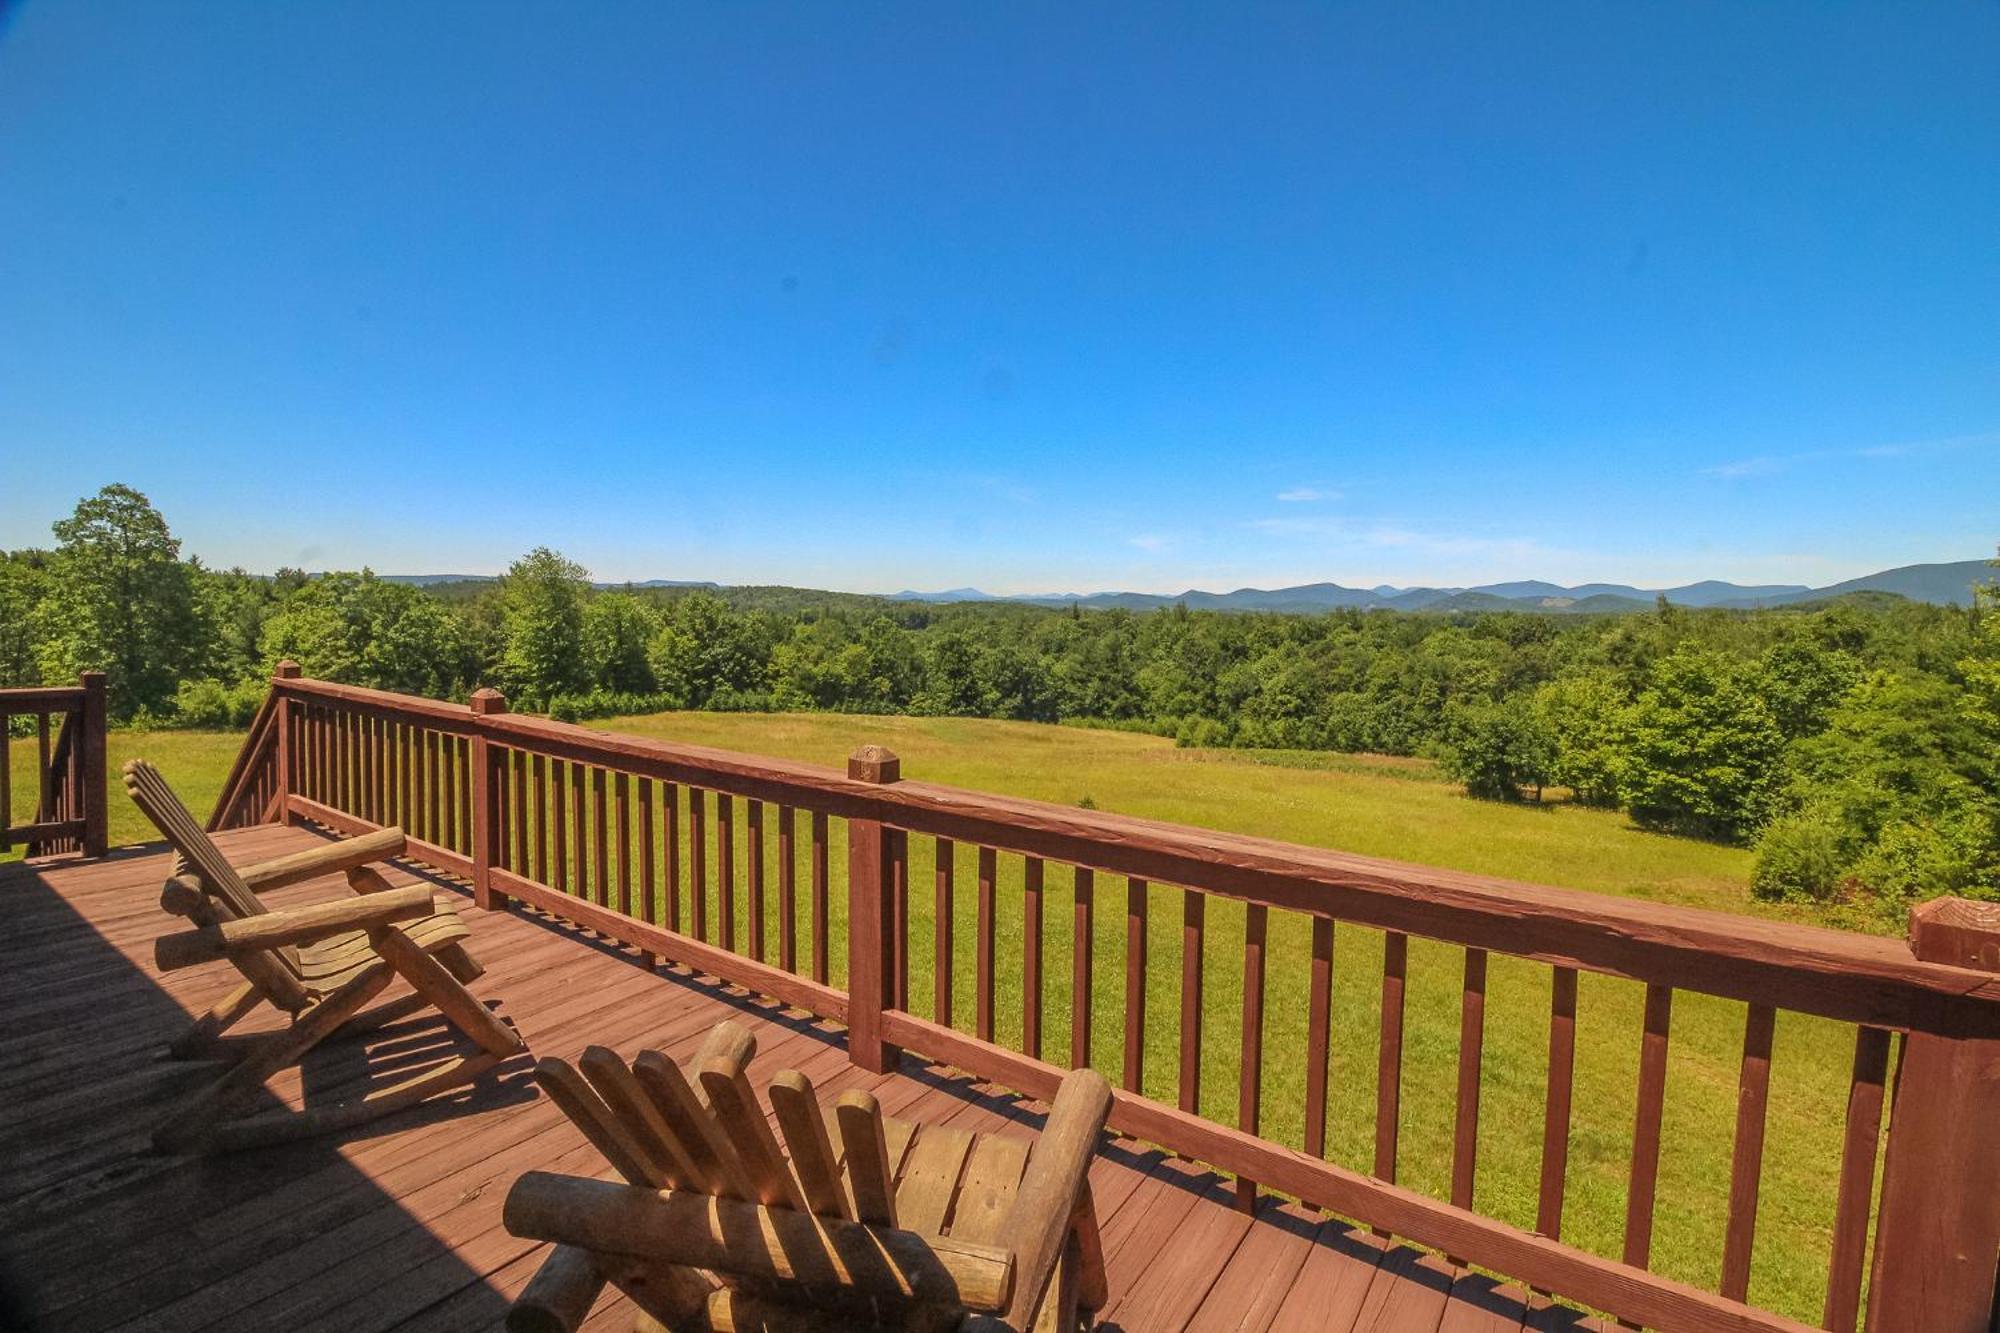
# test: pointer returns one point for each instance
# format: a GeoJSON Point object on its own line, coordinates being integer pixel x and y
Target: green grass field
{"type": "Point", "coordinates": [1384, 807]}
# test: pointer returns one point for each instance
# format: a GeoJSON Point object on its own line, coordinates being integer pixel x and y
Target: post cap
{"type": "Point", "coordinates": [287, 670]}
{"type": "Point", "coordinates": [1957, 931]}
{"type": "Point", "coordinates": [487, 700]}
{"type": "Point", "coordinates": [874, 763]}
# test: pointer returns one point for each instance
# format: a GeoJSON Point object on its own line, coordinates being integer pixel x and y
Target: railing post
{"type": "Point", "coordinates": [1937, 1238]}
{"type": "Point", "coordinates": [487, 791]}
{"type": "Point", "coordinates": [281, 718]}
{"type": "Point", "coordinates": [90, 734]}
{"type": "Point", "coordinates": [871, 925]}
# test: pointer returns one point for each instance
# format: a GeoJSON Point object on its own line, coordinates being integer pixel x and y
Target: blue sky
{"type": "Point", "coordinates": [1030, 297]}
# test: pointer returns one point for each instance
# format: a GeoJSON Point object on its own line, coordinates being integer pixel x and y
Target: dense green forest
{"type": "Point", "coordinates": [1856, 743]}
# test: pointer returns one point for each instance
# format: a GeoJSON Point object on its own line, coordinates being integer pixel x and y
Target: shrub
{"type": "Point", "coordinates": [1800, 857]}
{"type": "Point", "coordinates": [1922, 857]}
{"type": "Point", "coordinates": [209, 705]}
{"type": "Point", "coordinates": [1496, 750]}
{"type": "Point", "coordinates": [607, 703]}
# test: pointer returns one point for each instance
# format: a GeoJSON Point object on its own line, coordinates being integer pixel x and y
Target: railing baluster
{"type": "Point", "coordinates": [45, 797]}
{"type": "Point", "coordinates": [1081, 960]}
{"type": "Point", "coordinates": [819, 896]}
{"type": "Point", "coordinates": [1747, 1160]}
{"type": "Point", "coordinates": [788, 893]}
{"type": "Point", "coordinates": [941, 949]}
{"type": "Point", "coordinates": [725, 870]}
{"type": "Point", "coordinates": [1249, 1093]}
{"type": "Point", "coordinates": [670, 871]}
{"type": "Point", "coordinates": [1646, 1126]}
{"type": "Point", "coordinates": [1389, 1055]}
{"type": "Point", "coordinates": [1471, 1043]}
{"type": "Point", "coordinates": [6, 781]}
{"type": "Point", "coordinates": [364, 765]}
{"type": "Point", "coordinates": [649, 884]}
{"type": "Point", "coordinates": [378, 751]}
{"type": "Point", "coordinates": [899, 918]}
{"type": "Point", "coordinates": [403, 735]}
{"type": "Point", "coordinates": [1857, 1179]}
{"type": "Point", "coordinates": [559, 793]}
{"type": "Point", "coordinates": [519, 759]}
{"type": "Point", "coordinates": [463, 750]}
{"type": "Point", "coordinates": [600, 842]}
{"type": "Point", "coordinates": [1031, 956]}
{"type": "Point", "coordinates": [380, 745]}
{"type": "Point", "coordinates": [579, 828]}
{"type": "Point", "coordinates": [541, 785]}
{"type": "Point", "coordinates": [622, 824]}
{"type": "Point", "coordinates": [983, 964]}
{"type": "Point", "coordinates": [1555, 1109]}
{"type": "Point", "coordinates": [434, 790]}
{"type": "Point", "coordinates": [698, 863]}
{"type": "Point", "coordinates": [1194, 914]}
{"type": "Point", "coordinates": [1319, 1013]}
{"type": "Point", "coordinates": [1135, 985]}
{"type": "Point", "coordinates": [753, 855]}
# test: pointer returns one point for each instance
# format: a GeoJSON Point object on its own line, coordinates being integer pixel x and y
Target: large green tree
{"type": "Point", "coordinates": [120, 600]}
{"type": "Point", "coordinates": [541, 609]}
{"type": "Point", "coordinates": [1702, 749]}
{"type": "Point", "coordinates": [365, 630]}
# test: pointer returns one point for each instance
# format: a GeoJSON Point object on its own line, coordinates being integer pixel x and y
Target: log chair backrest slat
{"type": "Point", "coordinates": [276, 971]}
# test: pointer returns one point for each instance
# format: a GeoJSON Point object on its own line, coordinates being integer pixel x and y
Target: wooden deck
{"type": "Point", "coordinates": [397, 1226]}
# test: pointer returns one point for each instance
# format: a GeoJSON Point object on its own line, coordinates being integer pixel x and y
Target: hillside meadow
{"type": "Point", "coordinates": [1397, 808]}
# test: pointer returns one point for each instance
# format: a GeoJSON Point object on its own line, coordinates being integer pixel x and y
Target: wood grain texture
{"type": "Point", "coordinates": [1136, 895]}
{"type": "Point", "coordinates": [1747, 1158]}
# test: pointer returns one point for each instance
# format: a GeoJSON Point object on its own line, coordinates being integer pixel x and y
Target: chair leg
{"type": "Point", "coordinates": [459, 1005]}
{"type": "Point", "coordinates": [190, 1126]}
{"type": "Point", "coordinates": [458, 961]}
{"type": "Point", "coordinates": [225, 1013]}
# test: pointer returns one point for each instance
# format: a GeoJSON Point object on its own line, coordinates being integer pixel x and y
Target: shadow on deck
{"type": "Point", "coordinates": [397, 1225]}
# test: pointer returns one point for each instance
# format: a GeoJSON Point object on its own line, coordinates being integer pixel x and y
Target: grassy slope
{"type": "Point", "coordinates": [1382, 807]}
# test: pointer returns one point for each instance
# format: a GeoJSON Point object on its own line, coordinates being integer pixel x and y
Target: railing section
{"type": "Point", "coordinates": [721, 863]}
{"type": "Point", "coordinates": [64, 725]}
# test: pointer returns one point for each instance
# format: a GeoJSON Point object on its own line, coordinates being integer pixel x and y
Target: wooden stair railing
{"type": "Point", "coordinates": [664, 847]}
{"type": "Point", "coordinates": [69, 811]}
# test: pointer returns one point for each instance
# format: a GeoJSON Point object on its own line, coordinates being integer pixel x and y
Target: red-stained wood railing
{"type": "Point", "coordinates": [639, 840]}
{"type": "Point", "coordinates": [66, 731]}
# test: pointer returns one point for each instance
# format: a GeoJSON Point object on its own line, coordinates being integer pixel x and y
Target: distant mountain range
{"type": "Point", "coordinates": [1945, 584]}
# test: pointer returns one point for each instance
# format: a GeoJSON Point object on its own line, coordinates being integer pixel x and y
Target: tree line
{"type": "Point", "coordinates": [1853, 743]}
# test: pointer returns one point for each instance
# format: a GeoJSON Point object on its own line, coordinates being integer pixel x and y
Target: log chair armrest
{"type": "Point", "coordinates": [751, 1241]}
{"type": "Point", "coordinates": [558, 1297]}
{"type": "Point", "coordinates": [1053, 1192]}
{"type": "Point", "coordinates": [298, 925]}
{"type": "Point", "coordinates": [333, 858]}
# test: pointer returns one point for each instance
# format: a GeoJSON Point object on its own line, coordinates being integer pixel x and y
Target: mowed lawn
{"type": "Point", "coordinates": [1384, 807]}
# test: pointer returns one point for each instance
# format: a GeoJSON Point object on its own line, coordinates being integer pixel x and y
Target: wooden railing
{"type": "Point", "coordinates": [639, 840]}
{"type": "Point", "coordinates": [68, 772]}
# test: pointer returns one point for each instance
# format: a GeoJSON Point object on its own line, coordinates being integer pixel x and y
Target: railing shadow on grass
{"type": "Point", "coordinates": [98, 1228]}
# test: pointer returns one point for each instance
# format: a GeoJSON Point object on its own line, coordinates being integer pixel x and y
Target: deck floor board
{"type": "Point", "coordinates": [396, 1225]}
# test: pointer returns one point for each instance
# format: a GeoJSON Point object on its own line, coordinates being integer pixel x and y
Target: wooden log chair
{"type": "Point", "coordinates": [852, 1219]}
{"type": "Point", "coordinates": [322, 964]}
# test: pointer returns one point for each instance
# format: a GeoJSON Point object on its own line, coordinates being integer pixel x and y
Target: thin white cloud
{"type": "Point", "coordinates": [1307, 495]}
{"type": "Point", "coordinates": [1151, 541]}
{"type": "Point", "coordinates": [1769, 464]}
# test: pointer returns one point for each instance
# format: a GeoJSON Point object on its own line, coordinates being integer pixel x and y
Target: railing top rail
{"type": "Point", "coordinates": [41, 698]}
{"type": "Point", "coordinates": [1811, 969]}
